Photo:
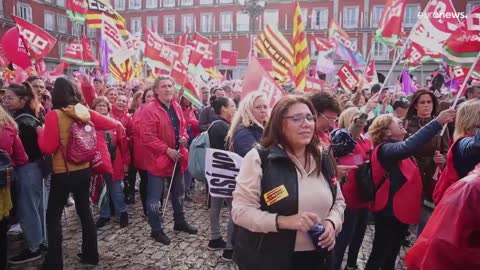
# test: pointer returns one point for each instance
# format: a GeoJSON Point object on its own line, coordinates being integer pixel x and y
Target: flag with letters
{"type": "Point", "coordinates": [345, 48]}
{"type": "Point", "coordinates": [347, 77]}
{"type": "Point", "coordinates": [390, 28]}
{"type": "Point", "coordinates": [77, 10]}
{"type": "Point", "coordinates": [97, 9]}
{"type": "Point", "coordinates": [37, 41]}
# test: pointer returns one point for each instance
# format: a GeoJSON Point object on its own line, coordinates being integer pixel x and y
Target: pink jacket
{"type": "Point", "coordinates": [156, 133]}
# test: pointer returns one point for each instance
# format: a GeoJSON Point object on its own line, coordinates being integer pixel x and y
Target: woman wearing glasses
{"type": "Point", "coordinates": [423, 109]}
{"type": "Point", "coordinates": [286, 188]}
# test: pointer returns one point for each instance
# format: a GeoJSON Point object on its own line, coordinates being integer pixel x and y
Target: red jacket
{"type": "Point", "coordinates": [125, 118]}
{"type": "Point", "coordinates": [157, 135]}
{"type": "Point", "coordinates": [451, 238]}
{"type": "Point", "coordinates": [12, 144]}
{"type": "Point", "coordinates": [138, 147]}
{"type": "Point", "coordinates": [359, 155]}
{"type": "Point", "coordinates": [448, 176]}
{"type": "Point", "coordinates": [406, 200]}
{"type": "Point", "coordinates": [89, 93]}
{"type": "Point", "coordinates": [122, 155]}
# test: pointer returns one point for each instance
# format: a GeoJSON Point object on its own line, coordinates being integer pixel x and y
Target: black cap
{"type": "Point", "coordinates": [401, 103]}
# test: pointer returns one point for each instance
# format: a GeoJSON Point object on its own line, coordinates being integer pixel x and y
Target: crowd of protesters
{"type": "Point", "coordinates": [301, 170]}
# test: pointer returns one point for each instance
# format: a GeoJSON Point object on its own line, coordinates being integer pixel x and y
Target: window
{"type": "Point", "coordinates": [61, 3]}
{"type": "Point", "coordinates": [354, 42]}
{"type": "Point", "coordinates": [225, 1]}
{"type": "Point", "coordinates": [91, 32]}
{"type": "Point", "coordinates": [136, 25]}
{"type": "Point", "coordinates": [169, 24]}
{"type": "Point", "coordinates": [49, 23]}
{"type": "Point", "coordinates": [62, 24]}
{"type": "Point", "coordinates": [61, 47]}
{"type": "Point", "coordinates": [187, 23]}
{"type": "Point", "coordinates": [135, 4]}
{"type": "Point", "coordinates": [152, 23]}
{"type": "Point", "coordinates": [24, 11]}
{"type": "Point", "coordinates": [470, 6]}
{"type": "Point", "coordinates": [224, 45]}
{"type": "Point", "coordinates": [243, 21]}
{"type": "Point", "coordinates": [226, 22]}
{"type": "Point", "coordinates": [206, 23]}
{"type": "Point", "coordinates": [1, 8]}
{"type": "Point", "coordinates": [120, 4]}
{"type": "Point", "coordinates": [206, 2]}
{"type": "Point", "coordinates": [305, 17]}
{"type": "Point", "coordinates": [187, 2]}
{"type": "Point", "coordinates": [168, 3]}
{"type": "Point", "coordinates": [376, 15]}
{"type": "Point", "coordinates": [320, 18]}
{"type": "Point", "coordinates": [380, 51]}
{"type": "Point", "coordinates": [271, 17]}
{"type": "Point", "coordinates": [411, 15]}
{"type": "Point", "coordinates": [350, 17]}
{"type": "Point", "coordinates": [151, 4]}
{"type": "Point", "coordinates": [313, 50]}
{"type": "Point", "coordinates": [93, 50]}
{"type": "Point", "coordinates": [76, 29]}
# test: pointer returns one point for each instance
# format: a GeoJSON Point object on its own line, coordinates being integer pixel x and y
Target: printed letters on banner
{"type": "Point", "coordinates": [221, 169]}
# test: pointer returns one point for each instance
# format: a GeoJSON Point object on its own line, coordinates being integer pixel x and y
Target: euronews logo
{"type": "Point", "coordinates": [441, 15]}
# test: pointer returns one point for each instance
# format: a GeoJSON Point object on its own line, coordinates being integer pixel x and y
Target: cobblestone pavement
{"type": "Point", "coordinates": [132, 247]}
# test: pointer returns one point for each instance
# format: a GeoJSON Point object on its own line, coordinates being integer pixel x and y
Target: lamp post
{"type": "Point", "coordinates": [254, 8]}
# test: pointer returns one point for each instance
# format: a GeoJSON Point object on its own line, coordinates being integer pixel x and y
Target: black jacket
{"type": "Point", "coordinates": [27, 126]}
{"type": "Point", "coordinates": [274, 251]}
{"type": "Point", "coordinates": [217, 134]}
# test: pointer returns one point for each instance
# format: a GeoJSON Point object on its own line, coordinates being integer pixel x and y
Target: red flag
{"type": "Point", "coordinates": [314, 84]}
{"type": "Point", "coordinates": [324, 46]}
{"type": "Point", "coordinates": [258, 79]}
{"type": "Point", "coordinates": [182, 39]}
{"type": "Point", "coordinates": [159, 53]}
{"type": "Point", "coordinates": [37, 41]}
{"type": "Point", "coordinates": [3, 58]}
{"type": "Point", "coordinates": [266, 64]}
{"type": "Point", "coordinates": [371, 72]}
{"type": "Point", "coordinates": [390, 25]}
{"type": "Point", "coordinates": [204, 46]}
{"type": "Point", "coordinates": [228, 58]}
{"type": "Point", "coordinates": [348, 78]}
{"type": "Point", "coordinates": [59, 70]}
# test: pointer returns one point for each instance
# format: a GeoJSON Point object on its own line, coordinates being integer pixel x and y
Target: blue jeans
{"type": "Point", "coordinates": [116, 195]}
{"type": "Point", "coordinates": [31, 202]}
{"type": "Point", "coordinates": [188, 181]}
{"type": "Point", "coordinates": [353, 230]}
{"type": "Point", "coordinates": [155, 189]}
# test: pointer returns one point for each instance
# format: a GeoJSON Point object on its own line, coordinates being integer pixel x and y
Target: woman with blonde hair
{"type": "Point", "coordinates": [13, 147]}
{"type": "Point", "coordinates": [464, 154]}
{"type": "Point", "coordinates": [248, 123]}
{"type": "Point", "coordinates": [397, 182]}
{"type": "Point", "coordinates": [356, 212]}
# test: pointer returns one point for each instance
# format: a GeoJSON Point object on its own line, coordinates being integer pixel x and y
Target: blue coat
{"type": "Point", "coordinates": [245, 138]}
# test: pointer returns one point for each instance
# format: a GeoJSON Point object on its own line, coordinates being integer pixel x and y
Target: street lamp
{"type": "Point", "coordinates": [254, 8]}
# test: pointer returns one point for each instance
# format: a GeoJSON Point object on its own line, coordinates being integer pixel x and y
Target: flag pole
{"type": "Point", "coordinates": [460, 91]}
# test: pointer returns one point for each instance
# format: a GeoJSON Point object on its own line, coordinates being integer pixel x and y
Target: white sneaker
{"type": "Point", "coordinates": [70, 202]}
{"type": "Point", "coordinates": [15, 230]}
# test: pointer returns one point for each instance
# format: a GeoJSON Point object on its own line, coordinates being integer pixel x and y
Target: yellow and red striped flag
{"type": "Point", "coordinates": [301, 55]}
{"type": "Point", "coordinates": [273, 45]}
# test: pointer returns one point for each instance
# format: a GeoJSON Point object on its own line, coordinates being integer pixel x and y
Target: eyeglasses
{"type": "Point", "coordinates": [331, 120]}
{"type": "Point", "coordinates": [299, 118]}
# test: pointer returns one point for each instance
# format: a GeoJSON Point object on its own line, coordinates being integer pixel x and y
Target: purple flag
{"type": "Point", "coordinates": [453, 85]}
{"type": "Point", "coordinates": [104, 56]}
{"type": "Point", "coordinates": [408, 86]}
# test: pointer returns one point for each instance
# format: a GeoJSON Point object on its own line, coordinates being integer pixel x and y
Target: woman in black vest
{"type": "Point", "coordinates": [284, 189]}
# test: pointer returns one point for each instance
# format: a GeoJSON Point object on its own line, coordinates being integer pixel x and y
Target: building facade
{"type": "Point", "coordinates": [225, 23]}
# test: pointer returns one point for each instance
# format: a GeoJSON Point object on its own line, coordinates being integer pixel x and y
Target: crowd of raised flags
{"type": "Point", "coordinates": [451, 41]}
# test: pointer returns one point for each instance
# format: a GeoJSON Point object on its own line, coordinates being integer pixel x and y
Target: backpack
{"type": "Point", "coordinates": [6, 169]}
{"type": "Point", "coordinates": [82, 143]}
{"type": "Point", "coordinates": [366, 187]}
{"type": "Point", "coordinates": [112, 148]}
{"type": "Point", "coordinates": [196, 155]}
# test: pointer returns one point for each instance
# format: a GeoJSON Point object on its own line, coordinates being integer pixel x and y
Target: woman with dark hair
{"type": "Point", "coordinates": [68, 176]}
{"type": "Point", "coordinates": [148, 95]}
{"type": "Point", "coordinates": [224, 109]}
{"type": "Point", "coordinates": [287, 203]}
{"type": "Point", "coordinates": [190, 114]}
{"type": "Point", "coordinates": [25, 107]}
{"type": "Point", "coordinates": [423, 108]}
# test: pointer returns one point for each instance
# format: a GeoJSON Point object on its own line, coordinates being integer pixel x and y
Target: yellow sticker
{"type": "Point", "coordinates": [275, 195]}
